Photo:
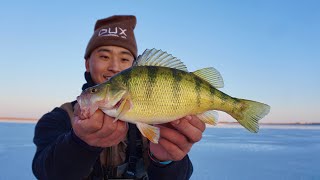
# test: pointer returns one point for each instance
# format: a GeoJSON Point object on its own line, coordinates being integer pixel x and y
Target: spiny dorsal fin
{"type": "Point", "coordinates": [211, 75]}
{"type": "Point", "coordinates": [154, 57]}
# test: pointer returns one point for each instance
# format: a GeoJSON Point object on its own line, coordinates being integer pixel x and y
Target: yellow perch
{"type": "Point", "coordinates": [159, 89]}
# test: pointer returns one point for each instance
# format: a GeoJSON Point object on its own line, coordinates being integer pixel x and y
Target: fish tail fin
{"type": "Point", "coordinates": [248, 113]}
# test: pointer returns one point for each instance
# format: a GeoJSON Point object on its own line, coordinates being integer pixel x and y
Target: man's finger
{"type": "Point", "coordinates": [191, 131]}
{"type": "Point", "coordinates": [174, 152]}
{"type": "Point", "coordinates": [174, 136]}
{"type": "Point", "coordinates": [196, 122]}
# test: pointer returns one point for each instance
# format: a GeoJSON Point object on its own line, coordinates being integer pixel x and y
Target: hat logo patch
{"type": "Point", "coordinates": [116, 31]}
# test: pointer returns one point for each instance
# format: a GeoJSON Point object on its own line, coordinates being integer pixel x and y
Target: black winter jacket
{"type": "Point", "coordinates": [62, 155]}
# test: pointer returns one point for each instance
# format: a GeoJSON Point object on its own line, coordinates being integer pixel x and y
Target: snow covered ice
{"type": "Point", "coordinates": [276, 152]}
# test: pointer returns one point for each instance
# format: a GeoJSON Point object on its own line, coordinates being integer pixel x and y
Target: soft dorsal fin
{"type": "Point", "coordinates": [154, 57]}
{"type": "Point", "coordinates": [211, 75]}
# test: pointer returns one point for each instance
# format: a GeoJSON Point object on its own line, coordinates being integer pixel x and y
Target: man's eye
{"type": "Point", "coordinates": [124, 59]}
{"type": "Point", "coordinates": [104, 57]}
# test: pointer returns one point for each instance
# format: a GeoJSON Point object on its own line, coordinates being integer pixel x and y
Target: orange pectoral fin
{"type": "Point", "coordinates": [150, 132]}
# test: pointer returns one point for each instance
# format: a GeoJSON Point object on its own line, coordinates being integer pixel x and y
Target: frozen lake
{"type": "Point", "coordinates": [276, 152]}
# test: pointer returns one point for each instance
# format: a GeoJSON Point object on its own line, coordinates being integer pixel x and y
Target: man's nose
{"type": "Point", "coordinates": [114, 66]}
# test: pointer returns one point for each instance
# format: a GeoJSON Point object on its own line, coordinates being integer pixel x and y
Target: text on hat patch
{"type": "Point", "coordinates": [116, 31]}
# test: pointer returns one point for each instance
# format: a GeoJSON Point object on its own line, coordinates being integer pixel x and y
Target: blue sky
{"type": "Point", "coordinates": [267, 51]}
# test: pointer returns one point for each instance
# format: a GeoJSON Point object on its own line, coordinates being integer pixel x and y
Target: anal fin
{"type": "Point", "coordinates": [209, 117]}
{"type": "Point", "coordinates": [150, 132]}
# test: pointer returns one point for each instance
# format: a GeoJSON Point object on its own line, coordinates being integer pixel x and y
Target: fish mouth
{"type": "Point", "coordinates": [84, 106]}
{"type": "Point", "coordinates": [82, 101]}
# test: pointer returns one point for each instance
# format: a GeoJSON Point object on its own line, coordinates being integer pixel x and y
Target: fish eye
{"type": "Point", "coordinates": [93, 90]}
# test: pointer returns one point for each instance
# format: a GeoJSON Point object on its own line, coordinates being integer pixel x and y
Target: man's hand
{"type": "Point", "coordinates": [177, 138]}
{"type": "Point", "coordinates": [99, 130]}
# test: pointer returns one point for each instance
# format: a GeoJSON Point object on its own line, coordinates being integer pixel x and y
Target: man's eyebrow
{"type": "Point", "coordinates": [108, 50]}
{"type": "Point", "coordinates": [103, 50]}
{"type": "Point", "coordinates": [126, 52]}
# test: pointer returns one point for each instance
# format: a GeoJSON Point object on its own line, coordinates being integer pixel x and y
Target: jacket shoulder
{"type": "Point", "coordinates": [57, 117]}
{"type": "Point", "coordinates": [51, 125]}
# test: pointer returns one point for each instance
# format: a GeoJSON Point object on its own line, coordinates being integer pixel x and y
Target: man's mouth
{"type": "Point", "coordinates": [106, 77]}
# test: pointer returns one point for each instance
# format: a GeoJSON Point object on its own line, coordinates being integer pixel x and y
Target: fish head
{"type": "Point", "coordinates": [92, 98]}
{"type": "Point", "coordinates": [115, 96]}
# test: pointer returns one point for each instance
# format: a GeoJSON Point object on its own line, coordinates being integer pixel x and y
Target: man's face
{"type": "Point", "coordinates": [106, 61]}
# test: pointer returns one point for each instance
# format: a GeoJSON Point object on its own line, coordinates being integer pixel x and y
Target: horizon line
{"type": "Point", "coordinates": [221, 122]}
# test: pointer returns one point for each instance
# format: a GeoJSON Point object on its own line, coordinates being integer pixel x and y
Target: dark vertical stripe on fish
{"type": "Point", "coordinates": [213, 94]}
{"type": "Point", "coordinates": [197, 87]}
{"type": "Point", "coordinates": [224, 98]}
{"type": "Point", "coordinates": [152, 75]}
{"type": "Point", "coordinates": [235, 105]}
{"type": "Point", "coordinates": [177, 77]}
{"type": "Point", "coordinates": [126, 76]}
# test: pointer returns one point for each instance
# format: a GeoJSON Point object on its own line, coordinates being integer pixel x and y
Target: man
{"type": "Point", "coordinates": [70, 146]}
